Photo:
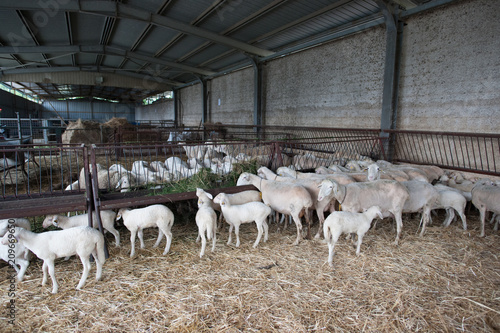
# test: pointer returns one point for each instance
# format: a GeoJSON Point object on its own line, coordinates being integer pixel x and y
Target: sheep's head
{"type": "Point", "coordinates": [373, 172]}
{"type": "Point", "coordinates": [50, 220]}
{"type": "Point", "coordinates": [200, 192]}
{"type": "Point", "coordinates": [244, 179]}
{"type": "Point", "coordinates": [222, 199]}
{"type": "Point", "coordinates": [326, 188]}
{"type": "Point", "coordinates": [11, 237]}
{"type": "Point", "coordinates": [376, 211]}
{"type": "Point", "coordinates": [120, 213]}
{"type": "Point", "coordinates": [217, 198]}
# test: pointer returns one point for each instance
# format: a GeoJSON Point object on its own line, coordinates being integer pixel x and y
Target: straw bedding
{"type": "Point", "coordinates": [447, 281]}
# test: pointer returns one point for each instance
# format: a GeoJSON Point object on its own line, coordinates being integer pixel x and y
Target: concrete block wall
{"type": "Point", "coordinates": [158, 111]}
{"type": "Point", "coordinates": [335, 85]}
{"type": "Point", "coordinates": [450, 73]}
{"type": "Point", "coordinates": [449, 81]}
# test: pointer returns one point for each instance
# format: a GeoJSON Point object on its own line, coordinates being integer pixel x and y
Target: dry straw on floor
{"type": "Point", "coordinates": [447, 281]}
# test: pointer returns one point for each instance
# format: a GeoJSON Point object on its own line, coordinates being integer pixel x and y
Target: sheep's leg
{"type": "Point", "coordinates": [44, 271]}
{"type": "Point", "coordinates": [360, 240]}
{"type": "Point", "coordinates": [308, 215]}
{"type": "Point", "coordinates": [298, 224]}
{"type": "Point", "coordinates": [132, 242]}
{"type": "Point", "coordinates": [24, 265]}
{"type": "Point", "coordinates": [425, 217]}
{"type": "Point", "coordinates": [98, 264]}
{"type": "Point", "coordinates": [321, 217]}
{"type": "Point", "coordinates": [214, 237]}
{"type": "Point", "coordinates": [260, 231]}
{"type": "Point", "coordinates": [399, 226]}
{"type": "Point", "coordinates": [462, 217]}
{"type": "Point", "coordinates": [140, 234]}
{"type": "Point", "coordinates": [496, 223]}
{"type": "Point", "coordinates": [86, 268]}
{"type": "Point", "coordinates": [168, 235]}
{"type": "Point", "coordinates": [230, 232]}
{"type": "Point", "coordinates": [266, 230]}
{"type": "Point", "coordinates": [331, 246]}
{"type": "Point", "coordinates": [237, 233]}
{"type": "Point", "coordinates": [160, 237]}
{"type": "Point", "coordinates": [482, 214]}
{"type": "Point", "coordinates": [450, 214]}
{"type": "Point", "coordinates": [50, 267]}
{"type": "Point", "coordinates": [115, 233]}
{"type": "Point", "coordinates": [201, 234]}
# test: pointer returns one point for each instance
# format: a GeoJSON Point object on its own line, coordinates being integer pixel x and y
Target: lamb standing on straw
{"type": "Point", "coordinates": [206, 220]}
{"type": "Point", "coordinates": [347, 222]}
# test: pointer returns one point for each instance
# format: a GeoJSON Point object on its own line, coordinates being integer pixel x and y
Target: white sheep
{"type": "Point", "coordinates": [389, 195]}
{"type": "Point", "coordinates": [206, 220]}
{"type": "Point", "coordinates": [16, 222]}
{"type": "Point", "coordinates": [65, 222]}
{"type": "Point", "coordinates": [312, 186]}
{"type": "Point", "coordinates": [423, 196]}
{"type": "Point", "coordinates": [15, 253]}
{"type": "Point", "coordinates": [151, 216]}
{"type": "Point", "coordinates": [235, 215]}
{"type": "Point", "coordinates": [73, 186]}
{"type": "Point", "coordinates": [348, 222]}
{"type": "Point", "coordinates": [236, 199]}
{"type": "Point", "coordinates": [51, 245]}
{"type": "Point", "coordinates": [486, 198]}
{"type": "Point", "coordinates": [285, 198]}
{"type": "Point", "coordinates": [451, 200]}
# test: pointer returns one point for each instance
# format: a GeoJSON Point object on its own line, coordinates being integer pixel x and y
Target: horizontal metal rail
{"type": "Point", "coordinates": [471, 152]}
{"type": "Point", "coordinates": [39, 188]}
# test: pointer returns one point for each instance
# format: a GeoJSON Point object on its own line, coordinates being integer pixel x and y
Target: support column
{"type": "Point", "coordinates": [176, 93]}
{"type": "Point", "coordinates": [257, 95]}
{"type": "Point", "coordinates": [389, 96]}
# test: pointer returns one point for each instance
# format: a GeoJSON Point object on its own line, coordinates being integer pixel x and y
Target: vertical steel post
{"type": "Point", "coordinates": [257, 95]}
{"type": "Point", "coordinates": [389, 94]}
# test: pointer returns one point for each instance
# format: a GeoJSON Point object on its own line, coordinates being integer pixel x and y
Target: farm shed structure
{"type": "Point", "coordinates": [405, 64]}
{"type": "Point", "coordinates": [373, 65]}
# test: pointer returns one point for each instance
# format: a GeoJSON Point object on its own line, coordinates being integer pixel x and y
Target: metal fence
{"type": "Point", "coordinates": [33, 178]}
{"type": "Point", "coordinates": [472, 152]}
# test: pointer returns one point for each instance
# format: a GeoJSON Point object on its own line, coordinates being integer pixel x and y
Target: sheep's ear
{"type": "Point", "coordinates": [209, 195]}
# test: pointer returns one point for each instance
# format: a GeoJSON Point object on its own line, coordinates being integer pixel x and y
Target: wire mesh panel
{"type": "Point", "coordinates": [31, 170]}
{"type": "Point", "coordinates": [478, 153]}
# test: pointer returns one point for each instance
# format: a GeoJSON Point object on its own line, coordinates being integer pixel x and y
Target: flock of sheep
{"type": "Point", "coordinates": [383, 190]}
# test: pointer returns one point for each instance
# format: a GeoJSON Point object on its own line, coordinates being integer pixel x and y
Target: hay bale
{"type": "Point", "coordinates": [83, 131]}
{"type": "Point", "coordinates": [117, 122]}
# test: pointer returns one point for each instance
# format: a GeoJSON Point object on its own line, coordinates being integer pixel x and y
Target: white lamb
{"type": "Point", "coordinates": [51, 245]}
{"type": "Point", "coordinates": [206, 220]}
{"type": "Point", "coordinates": [64, 222]}
{"type": "Point", "coordinates": [15, 253]}
{"type": "Point", "coordinates": [285, 198]}
{"type": "Point", "coordinates": [236, 199]}
{"type": "Point", "coordinates": [16, 222]}
{"type": "Point", "coordinates": [235, 215]}
{"type": "Point", "coordinates": [141, 218]}
{"type": "Point", "coordinates": [348, 222]}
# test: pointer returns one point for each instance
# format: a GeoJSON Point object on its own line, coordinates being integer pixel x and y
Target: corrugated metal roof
{"type": "Point", "coordinates": [167, 42]}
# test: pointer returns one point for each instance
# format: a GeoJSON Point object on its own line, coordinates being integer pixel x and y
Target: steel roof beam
{"type": "Point", "coordinates": [100, 49]}
{"type": "Point", "coordinates": [426, 6]}
{"type": "Point", "coordinates": [119, 10]}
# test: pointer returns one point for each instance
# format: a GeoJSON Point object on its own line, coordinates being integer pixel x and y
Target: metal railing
{"type": "Point", "coordinates": [471, 152]}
